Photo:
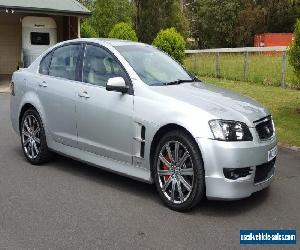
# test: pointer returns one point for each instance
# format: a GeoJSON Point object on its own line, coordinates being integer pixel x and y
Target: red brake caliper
{"type": "Point", "coordinates": [165, 167]}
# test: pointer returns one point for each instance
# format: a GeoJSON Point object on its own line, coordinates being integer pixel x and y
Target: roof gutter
{"type": "Point", "coordinates": [46, 11]}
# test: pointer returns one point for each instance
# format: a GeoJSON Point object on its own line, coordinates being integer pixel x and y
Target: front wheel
{"type": "Point", "coordinates": [33, 138]}
{"type": "Point", "coordinates": [178, 171]}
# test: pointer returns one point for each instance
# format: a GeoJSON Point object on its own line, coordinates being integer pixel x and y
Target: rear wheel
{"type": "Point", "coordinates": [178, 171]}
{"type": "Point", "coordinates": [33, 138]}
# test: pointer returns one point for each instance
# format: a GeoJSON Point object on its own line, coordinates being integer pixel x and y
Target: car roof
{"type": "Point", "coordinates": [111, 41]}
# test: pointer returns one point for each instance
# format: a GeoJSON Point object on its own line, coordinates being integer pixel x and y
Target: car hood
{"type": "Point", "coordinates": [219, 102]}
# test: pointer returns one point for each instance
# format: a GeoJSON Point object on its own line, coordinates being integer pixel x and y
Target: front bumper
{"type": "Point", "coordinates": [219, 154]}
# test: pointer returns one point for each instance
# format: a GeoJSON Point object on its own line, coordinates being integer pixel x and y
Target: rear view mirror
{"type": "Point", "coordinates": [117, 84]}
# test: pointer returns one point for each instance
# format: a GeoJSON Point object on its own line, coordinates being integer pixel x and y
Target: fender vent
{"type": "Point", "coordinates": [143, 133]}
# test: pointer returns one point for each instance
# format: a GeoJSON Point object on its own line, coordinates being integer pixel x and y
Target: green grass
{"type": "Point", "coordinates": [262, 68]}
{"type": "Point", "coordinates": [284, 105]}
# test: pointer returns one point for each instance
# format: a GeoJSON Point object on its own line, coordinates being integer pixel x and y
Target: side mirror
{"type": "Point", "coordinates": [117, 84]}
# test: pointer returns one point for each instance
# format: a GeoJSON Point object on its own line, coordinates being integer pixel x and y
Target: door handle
{"type": "Point", "coordinates": [43, 84]}
{"type": "Point", "coordinates": [84, 94]}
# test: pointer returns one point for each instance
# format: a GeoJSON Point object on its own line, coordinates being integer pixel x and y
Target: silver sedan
{"type": "Point", "coordinates": [129, 108]}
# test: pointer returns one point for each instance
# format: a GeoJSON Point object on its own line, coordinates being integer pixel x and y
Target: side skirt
{"type": "Point", "coordinates": [108, 164]}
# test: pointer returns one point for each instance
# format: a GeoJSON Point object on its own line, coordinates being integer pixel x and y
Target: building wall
{"type": "Point", "coordinates": [10, 42]}
{"type": "Point", "coordinates": [11, 37]}
{"type": "Point", "coordinates": [273, 39]}
{"type": "Point", "coordinates": [70, 27]}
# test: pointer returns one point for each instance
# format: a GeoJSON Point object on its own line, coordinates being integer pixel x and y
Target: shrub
{"type": "Point", "coordinates": [123, 31]}
{"type": "Point", "coordinates": [170, 41]}
{"type": "Point", "coordinates": [87, 30]}
{"type": "Point", "coordinates": [294, 51]}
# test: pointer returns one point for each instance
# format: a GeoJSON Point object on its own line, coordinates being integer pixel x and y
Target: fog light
{"type": "Point", "coordinates": [235, 173]}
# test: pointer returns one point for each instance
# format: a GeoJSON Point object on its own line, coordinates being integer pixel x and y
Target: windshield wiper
{"type": "Point", "coordinates": [179, 81]}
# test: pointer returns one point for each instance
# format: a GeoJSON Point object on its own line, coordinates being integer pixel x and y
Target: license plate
{"type": "Point", "coordinates": [272, 153]}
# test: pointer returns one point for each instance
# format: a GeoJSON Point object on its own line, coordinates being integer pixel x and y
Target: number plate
{"type": "Point", "coordinates": [272, 153]}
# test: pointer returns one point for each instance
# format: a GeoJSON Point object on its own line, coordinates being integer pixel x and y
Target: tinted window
{"type": "Point", "coordinates": [64, 62]}
{"type": "Point", "coordinates": [99, 66]}
{"type": "Point", "coordinates": [45, 63]}
{"type": "Point", "coordinates": [38, 38]}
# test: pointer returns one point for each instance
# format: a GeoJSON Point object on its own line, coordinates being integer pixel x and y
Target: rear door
{"type": "Point", "coordinates": [57, 91]}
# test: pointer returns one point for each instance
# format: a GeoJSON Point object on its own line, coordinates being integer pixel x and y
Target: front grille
{"type": "Point", "coordinates": [262, 171]}
{"type": "Point", "coordinates": [265, 129]}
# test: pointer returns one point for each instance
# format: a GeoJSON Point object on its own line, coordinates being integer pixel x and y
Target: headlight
{"type": "Point", "coordinates": [230, 130]}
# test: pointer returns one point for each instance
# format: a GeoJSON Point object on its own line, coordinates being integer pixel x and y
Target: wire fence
{"type": "Point", "coordinates": [266, 65]}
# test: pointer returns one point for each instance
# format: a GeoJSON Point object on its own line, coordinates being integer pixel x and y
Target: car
{"type": "Point", "coordinates": [129, 108]}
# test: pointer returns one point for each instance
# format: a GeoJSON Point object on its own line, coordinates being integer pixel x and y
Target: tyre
{"type": "Point", "coordinates": [33, 138]}
{"type": "Point", "coordinates": [178, 171]}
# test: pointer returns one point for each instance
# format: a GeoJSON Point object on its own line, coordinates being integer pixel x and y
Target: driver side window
{"type": "Point", "coordinates": [99, 66]}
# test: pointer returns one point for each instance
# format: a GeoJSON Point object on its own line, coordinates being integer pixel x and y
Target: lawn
{"type": "Point", "coordinates": [262, 68]}
{"type": "Point", "coordinates": [284, 105]}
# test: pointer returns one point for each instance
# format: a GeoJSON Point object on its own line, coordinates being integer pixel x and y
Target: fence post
{"type": "Point", "coordinates": [246, 56]}
{"type": "Point", "coordinates": [283, 70]}
{"type": "Point", "coordinates": [195, 64]}
{"type": "Point", "coordinates": [218, 75]}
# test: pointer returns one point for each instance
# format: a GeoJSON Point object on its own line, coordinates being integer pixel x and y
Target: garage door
{"type": "Point", "coordinates": [9, 47]}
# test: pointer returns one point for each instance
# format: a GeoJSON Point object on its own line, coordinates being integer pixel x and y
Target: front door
{"type": "Point", "coordinates": [104, 118]}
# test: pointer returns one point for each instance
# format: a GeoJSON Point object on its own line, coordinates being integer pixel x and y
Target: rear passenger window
{"type": "Point", "coordinates": [64, 62]}
{"type": "Point", "coordinates": [45, 63]}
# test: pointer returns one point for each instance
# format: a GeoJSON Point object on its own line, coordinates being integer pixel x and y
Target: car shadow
{"type": "Point", "coordinates": [222, 208]}
{"type": "Point", "coordinates": [148, 191]}
{"type": "Point", "coordinates": [109, 179]}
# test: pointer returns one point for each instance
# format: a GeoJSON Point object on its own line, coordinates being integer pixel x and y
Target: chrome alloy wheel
{"type": "Point", "coordinates": [31, 136]}
{"type": "Point", "coordinates": [175, 172]}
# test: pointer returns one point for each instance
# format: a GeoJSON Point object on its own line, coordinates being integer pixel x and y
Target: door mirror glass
{"type": "Point", "coordinates": [117, 84]}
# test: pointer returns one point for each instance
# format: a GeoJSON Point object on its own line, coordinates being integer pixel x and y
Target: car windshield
{"type": "Point", "coordinates": [154, 67]}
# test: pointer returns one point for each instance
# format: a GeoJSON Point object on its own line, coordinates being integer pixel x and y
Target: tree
{"type": "Point", "coordinates": [123, 31]}
{"type": "Point", "coordinates": [280, 15]}
{"type": "Point", "coordinates": [223, 23]}
{"type": "Point", "coordinates": [213, 23]}
{"type": "Point", "coordinates": [250, 21]}
{"type": "Point", "coordinates": [87, 30]}
{"type": "Point", "coordinates": [170, 41]}
{"type": "Point", "coordinates": [154, 15]}
{"type": "Point", "coordinates": [216, 22]}
{"type": "Point", "coordinates": [189, 8]}
{"type": "Point", "coordinates": [294, 51]}
{"type": "Point", "coordinates": [86, 3]}
{"type": "Point", "coordinates": [107, 13]}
